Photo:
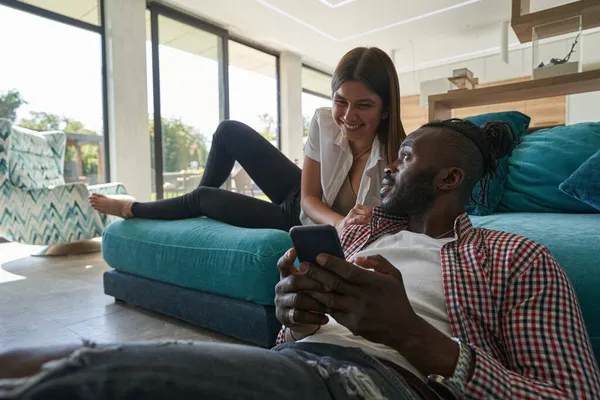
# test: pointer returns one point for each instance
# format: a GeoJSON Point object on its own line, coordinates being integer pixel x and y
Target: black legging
{"type": "Point", "coordinates": [277, 177]}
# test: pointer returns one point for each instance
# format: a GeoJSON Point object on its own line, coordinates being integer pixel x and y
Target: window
{"type": "Point", "coordinates": [53, 78]}
{"type": "Point", "coordinates": [316, 93]}
{"type": "Point", "coordinates": [198, 77]}
{"type": "Point", "coordinates": [253, 100]}
{"type": "Point", "coordinates": [253, 97]}
{"type": "Point", "coordinates": [187, 100]}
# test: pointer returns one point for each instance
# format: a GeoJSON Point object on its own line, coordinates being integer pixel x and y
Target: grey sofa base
{"type": "Point", "coordinates": [250, 322]}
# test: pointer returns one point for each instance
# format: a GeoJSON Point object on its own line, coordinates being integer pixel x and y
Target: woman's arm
{"type": "Point", "coordinates": [312, 195]}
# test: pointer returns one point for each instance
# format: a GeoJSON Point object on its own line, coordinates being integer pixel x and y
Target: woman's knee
{"type": "Point", "coordinates": [230, 129]}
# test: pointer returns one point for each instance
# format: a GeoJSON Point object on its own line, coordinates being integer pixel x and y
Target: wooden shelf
{"type": "Point", "coordinates": [440, 106]}
{"type": "Point", "coordinates": [523, 22]}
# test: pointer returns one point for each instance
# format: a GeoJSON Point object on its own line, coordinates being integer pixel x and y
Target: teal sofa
{"type": "Point", "coordinates": [574, 240]}
{"type": "Point", "coordinates": [202, 271]}
{"type": "Point", "coordinates": [222, 277]}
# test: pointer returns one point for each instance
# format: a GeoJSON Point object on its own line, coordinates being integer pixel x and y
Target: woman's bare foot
{"type": "Point", "coordinates": [105, 205]}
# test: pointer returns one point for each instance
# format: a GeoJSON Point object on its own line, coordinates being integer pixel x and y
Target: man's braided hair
{"type": "Point", "coordinates": [480, 155]}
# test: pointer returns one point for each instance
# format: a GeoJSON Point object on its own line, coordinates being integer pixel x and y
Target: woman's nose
{"type": "Point", "coordinates": [350, 114]}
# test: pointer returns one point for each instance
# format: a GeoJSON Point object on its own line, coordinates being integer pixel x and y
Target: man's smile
{"type": "Point", "coordinates": [386, 185]}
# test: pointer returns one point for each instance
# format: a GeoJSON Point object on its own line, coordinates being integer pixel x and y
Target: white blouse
{"type": "Point", "coordinates": [327, 145]}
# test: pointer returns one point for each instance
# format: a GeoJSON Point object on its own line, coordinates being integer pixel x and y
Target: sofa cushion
{"type": "Point", "coordinates": [200, 254]}
{"type": "Point", "coordinates": [36, 160]}
{"type": "Point", "coordinates": [584, 183]}
{"type": "Point", "coordinates": [519, 123]}
{"type": "Point", "coordinates": [574, 240]}
{"type": "Point", "coordinates": [542, 162]}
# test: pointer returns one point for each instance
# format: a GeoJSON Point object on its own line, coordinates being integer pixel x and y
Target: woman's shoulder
{"type": "Point", "coordinates": [324, 112]}
{"type": "Point", "coordinates": [323, 115]}
{"type": "Point", "coordinates": [324, 118]}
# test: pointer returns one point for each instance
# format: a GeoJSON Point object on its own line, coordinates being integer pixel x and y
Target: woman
{"type": "Point", "coordinates": [347, 149]}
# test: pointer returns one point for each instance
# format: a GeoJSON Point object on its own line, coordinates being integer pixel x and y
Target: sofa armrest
{"type": "Point", "coordinates": [48, 216]}
{"type": "Point", "coordinates": [108, 188]}
{"type": "Point", "coordinates": [5, 130]}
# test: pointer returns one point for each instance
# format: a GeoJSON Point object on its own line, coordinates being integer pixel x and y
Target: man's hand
{"type": "Point", "coordinates": [372, 304]}
{"type": "Point", "coordinates": [370, 300]}
{"type": "Point", "coordinates": [294, 307]}
{"type": "Point", "coordinates": [359, 215]}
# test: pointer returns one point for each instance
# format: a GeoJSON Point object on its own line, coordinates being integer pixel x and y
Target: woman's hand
{"type": "Point", "coordinates": [359, 215]}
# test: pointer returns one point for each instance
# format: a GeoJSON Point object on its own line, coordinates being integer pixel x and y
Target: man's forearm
{"type": "Point", "coordinates": [428, 349]}
{"type": "Point", "coordinates": [20, 363]}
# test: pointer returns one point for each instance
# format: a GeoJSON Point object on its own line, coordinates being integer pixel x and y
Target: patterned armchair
{"type": "Point", "coordinates": [36, 206]}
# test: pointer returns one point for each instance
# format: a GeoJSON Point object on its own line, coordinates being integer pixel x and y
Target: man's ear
{"type": "Point", "coordinates": [451, 178]}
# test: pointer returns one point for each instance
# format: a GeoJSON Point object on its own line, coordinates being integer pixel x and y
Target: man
{"type": "Point", "coordinates": [429, 305]}
{"type": "Point", "coordinates": [503, 296]}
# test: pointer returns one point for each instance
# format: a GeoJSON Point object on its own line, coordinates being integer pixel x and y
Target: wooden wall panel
{"type": "Point", "coordinates": [411, 113]}
{"type": "Point", "coordinates": [550, 111]}
{"type": "Point", "coordinates": [547, 112]}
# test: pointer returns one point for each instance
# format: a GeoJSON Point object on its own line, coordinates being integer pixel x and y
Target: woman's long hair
{"type": "Point", "coordinates": [375, 68]}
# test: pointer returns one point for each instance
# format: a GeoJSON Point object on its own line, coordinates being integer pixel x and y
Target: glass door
{"type": "Point", "coordinates": [189, 84]}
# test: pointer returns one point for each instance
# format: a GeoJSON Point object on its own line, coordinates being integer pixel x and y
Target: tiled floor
{"type": "Point", "coordinates": [56, 300]}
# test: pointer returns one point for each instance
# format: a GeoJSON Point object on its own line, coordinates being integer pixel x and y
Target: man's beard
{"type": "Point", "coordinates": [413, 195]}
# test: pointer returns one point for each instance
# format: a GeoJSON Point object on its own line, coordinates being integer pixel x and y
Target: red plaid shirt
{"type": "Point", "coordinates": [508, 298]}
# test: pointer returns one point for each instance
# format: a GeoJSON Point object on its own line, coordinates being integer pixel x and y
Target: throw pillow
{"type": "Point", "coordinates": [544, 160]}
{"type": "Point", "coordinates": [584, 183]}
{"type": "Point", "coordinates": [519, 122]}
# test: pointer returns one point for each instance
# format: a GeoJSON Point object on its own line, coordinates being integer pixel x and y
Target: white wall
{"type": "Point", "coordinates": [583, 107]}
{"type": "Point", "coordinates": [491, 68]}
{"type": "Point", "coordinates": [127, 96]}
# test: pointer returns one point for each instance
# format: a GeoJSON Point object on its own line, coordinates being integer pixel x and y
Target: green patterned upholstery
{"type": "Point", "coordinates": [37, 206]}
{"type": "Point", "coordinates": [45, 151]}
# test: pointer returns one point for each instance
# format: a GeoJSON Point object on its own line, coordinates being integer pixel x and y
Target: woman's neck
{"type": "Point", "coordinates": [358, 148]}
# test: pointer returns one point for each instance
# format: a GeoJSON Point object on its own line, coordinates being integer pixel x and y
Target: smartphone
{"type": "Point", "coordinates": [312, 240]}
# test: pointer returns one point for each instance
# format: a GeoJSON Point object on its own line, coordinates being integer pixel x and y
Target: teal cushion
{"type": "Point", "coordinates": [542, 162]}
{"type": "Point", "coordinates": [584, 184]}
{"type": "Point", "coordinates": [574, 240]}
{"type": "Point", "coordinates": [519, 122]}
{"type": "Point", "coordinates": [199, 254]}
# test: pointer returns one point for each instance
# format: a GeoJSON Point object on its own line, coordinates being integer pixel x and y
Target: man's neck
{"type": "Point", "coordinates": [435, 222]}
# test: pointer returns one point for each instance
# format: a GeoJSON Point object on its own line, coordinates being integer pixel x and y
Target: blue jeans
{"type": "Point", "coordinates": [212, 371]}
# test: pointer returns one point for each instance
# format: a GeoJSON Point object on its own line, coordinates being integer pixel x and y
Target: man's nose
{"type": "Point", "coordinates": [391, 169]}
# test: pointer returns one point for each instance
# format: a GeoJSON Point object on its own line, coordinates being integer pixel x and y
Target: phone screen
{"type": "Point", "coordinates": [312, 240]}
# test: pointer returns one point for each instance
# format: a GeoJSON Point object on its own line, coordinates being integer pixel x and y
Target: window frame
{"type": "Point", "coordinates": [159, 9]}
{"type": "Point", "coordinates": [311, 92]}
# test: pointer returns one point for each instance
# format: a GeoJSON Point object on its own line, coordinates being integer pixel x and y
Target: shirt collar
{"type": "Point", "coordinates": [462, 223]}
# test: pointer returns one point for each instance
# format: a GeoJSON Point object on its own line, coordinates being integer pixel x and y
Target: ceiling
{"type": "Point", "coordinates": [83, 10]}
{"type": "Point", "coordinates": [415, 32]}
